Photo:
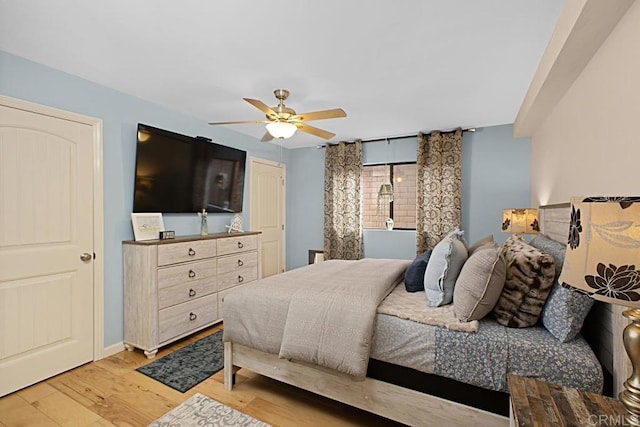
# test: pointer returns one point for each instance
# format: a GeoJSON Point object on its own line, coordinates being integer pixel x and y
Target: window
{"type": "Point", "coordinates": [401, 207]}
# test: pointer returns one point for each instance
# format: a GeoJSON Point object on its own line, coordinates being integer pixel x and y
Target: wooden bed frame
{"type": "Point", "coordinates": [398, 403]}
{"type": "Point", "coordinates": [385, 399]}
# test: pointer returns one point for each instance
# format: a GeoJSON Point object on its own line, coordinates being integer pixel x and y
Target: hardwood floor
{"type": "Point", "coordinates": [110, 392]}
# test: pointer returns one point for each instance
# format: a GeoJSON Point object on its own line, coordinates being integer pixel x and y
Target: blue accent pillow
{"type": "Point", "coordinates": [566, 309]}
{"type": "Point", "coordinates": [414, 276]}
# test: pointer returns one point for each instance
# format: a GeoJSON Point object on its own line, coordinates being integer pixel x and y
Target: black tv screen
{"type": "Point", "coordinates": [179, 174]}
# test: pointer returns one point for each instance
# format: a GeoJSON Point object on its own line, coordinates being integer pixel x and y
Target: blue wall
{"type": "Point", "coordinates": [496, 174]}
{"type": "Point", "coordinates": [120, 113]}
{"type": "Point", "coordinates": [305, 204]}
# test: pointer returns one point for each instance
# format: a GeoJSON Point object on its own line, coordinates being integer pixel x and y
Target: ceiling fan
{"type": "Point", "coordinates": [282, 122]}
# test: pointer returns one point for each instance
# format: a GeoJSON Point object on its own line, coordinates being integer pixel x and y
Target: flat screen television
{"type": "Point", "coordinates": [179, 174]}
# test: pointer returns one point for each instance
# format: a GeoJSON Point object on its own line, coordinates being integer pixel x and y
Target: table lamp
{"type": "Point", "coordinates": [602, 253]}
{"type": "Point", "coordinates": [520, 221]}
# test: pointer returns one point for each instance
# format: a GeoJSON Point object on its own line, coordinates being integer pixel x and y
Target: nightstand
{"type": "Point", "coordinates": [537, 403]}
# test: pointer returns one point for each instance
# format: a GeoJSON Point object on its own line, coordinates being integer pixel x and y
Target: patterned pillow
{"type": "Point", "coordinates": [443, 269]}
{"type": "Point", "coordinates": [479, 284]}
{"type": "Point", "coordinates": [564, 313]}
{"type": "Point", "coordinates": [530, 276]}
{"type": "Point", "coordinates": [414, 276]}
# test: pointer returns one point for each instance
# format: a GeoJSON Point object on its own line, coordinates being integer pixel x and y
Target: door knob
{"type": "Point", "coordinates": [86, 257]}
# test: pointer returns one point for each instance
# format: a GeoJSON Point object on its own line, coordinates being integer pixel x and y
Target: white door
{"type": "Point", "coordinates": [268, 212]}
{"type": "Point", "coordinates": [46, 225]}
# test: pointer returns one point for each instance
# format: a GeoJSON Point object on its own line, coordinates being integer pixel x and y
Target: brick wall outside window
{"type": "Point", "coordinates": [377, 209]}
{"type": "Point", "coordinates": [404, 196]}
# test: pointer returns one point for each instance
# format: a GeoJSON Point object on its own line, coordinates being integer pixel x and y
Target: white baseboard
{"type": "Point", "coordinates": [111, 350]}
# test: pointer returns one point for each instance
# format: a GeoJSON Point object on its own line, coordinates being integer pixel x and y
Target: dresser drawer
{"type": "Point", "coordinates": [232, 245]}
{"type": "Point", "coordinates": [238, 277]}
{"type": "Point", "coordinates": [236, 262]}
{"type": "Point", "coordinates": [172, 295]}
{"type": "Point", "coordinates": [183, 318]}
{"type": "Point", "coordinates": [223, 294]}
{"type": "Point", "coordinates": [186, 251]}
{"type": "Point", "coordinates": [185, 273]}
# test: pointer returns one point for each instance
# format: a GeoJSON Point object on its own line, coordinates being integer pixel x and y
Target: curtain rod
{"type": "Point", "coordinates": [389, 138]}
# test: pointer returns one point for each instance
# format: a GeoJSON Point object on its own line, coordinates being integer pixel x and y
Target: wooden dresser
{"type": "Point", "coordinates": [173, 288]}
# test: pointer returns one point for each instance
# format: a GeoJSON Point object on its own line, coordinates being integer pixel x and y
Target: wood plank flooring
{"type": "Point", "coordinates": [110, 392]}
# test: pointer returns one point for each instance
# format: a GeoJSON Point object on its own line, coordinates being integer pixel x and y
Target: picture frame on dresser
{"type": "Point", "coordinates": [147, 226]}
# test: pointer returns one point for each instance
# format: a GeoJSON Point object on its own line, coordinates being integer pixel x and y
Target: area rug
{"type": "Point", "coordinates": [199, 410]}
{"type": "Point", "coordinates": [190, 365]}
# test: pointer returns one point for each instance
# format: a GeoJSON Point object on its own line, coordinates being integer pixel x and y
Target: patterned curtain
{"type": "Point", "coordinates": [343, 201]}
{"type": "Point", "coordinates": [439, 169]}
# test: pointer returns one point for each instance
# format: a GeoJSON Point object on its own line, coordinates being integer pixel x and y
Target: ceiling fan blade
{"type": "Point", "coordinates": [240, 123]}
{"type": "Point", "coordinates": [261, 106]}
{"type": "Point", "coordinates": [315, 131]}
{"type": "Point", "coordinates": [320, 115]}
{"type": "Point", "coordinates": [267, 137]}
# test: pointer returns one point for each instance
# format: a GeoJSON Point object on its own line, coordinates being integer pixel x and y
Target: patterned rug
{"type": "Point", "coordinates": [199, 410]}
{"type": "Point", "coordinates": [190, 365]}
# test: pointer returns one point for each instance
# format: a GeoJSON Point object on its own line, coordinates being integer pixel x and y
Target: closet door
{"type": "Point", "coordinates": [46, 245]}
{"type": "Point", "coordinates": [267, 212]}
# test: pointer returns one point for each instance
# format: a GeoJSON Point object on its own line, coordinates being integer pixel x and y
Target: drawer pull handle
{"type": "Point", "coordinates": [192, 316]}
{"type": "Point", "coordinates": [191, 252]}
{"type": "Point", "coordinates": [240, 279]}
{"type": "Point", "coordinates": [192, 274]}
{"type": "Point", "coordinates": [192, 292]}
{"type": "Point", "coordinates": [240, 263]}
{"type": "Point", "coordinates": [240, 245]}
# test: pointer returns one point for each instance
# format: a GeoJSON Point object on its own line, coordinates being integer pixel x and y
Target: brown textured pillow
{"type": "Point", "coordinates": [479, 284]}
{"type": "Point", "coordinates": [482, 243]}
{"type": "Point", "coordinates": [530, 275]}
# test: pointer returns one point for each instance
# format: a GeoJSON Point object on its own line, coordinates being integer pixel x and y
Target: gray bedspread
{"type": "Point", "coordinates": [319, 300]}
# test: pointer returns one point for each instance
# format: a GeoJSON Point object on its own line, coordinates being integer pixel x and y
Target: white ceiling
{"type": "Point", "coordinates": [396, 67]}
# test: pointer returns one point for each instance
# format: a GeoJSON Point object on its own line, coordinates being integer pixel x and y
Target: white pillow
{"type": "Point", "coordinates": [444, 266]}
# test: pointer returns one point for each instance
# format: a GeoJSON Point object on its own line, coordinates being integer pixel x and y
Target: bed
{"type": "Point", "coordinates": [416, 371]}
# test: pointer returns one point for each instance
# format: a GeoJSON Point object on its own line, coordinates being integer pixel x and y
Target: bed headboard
{"type": "Point", "coordinates": [603, 327]}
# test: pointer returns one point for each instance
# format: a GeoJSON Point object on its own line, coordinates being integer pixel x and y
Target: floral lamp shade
{"type": "Point", "coordinates": [520, 221]}
{"type": "Point", "coordinates": [604, 249]}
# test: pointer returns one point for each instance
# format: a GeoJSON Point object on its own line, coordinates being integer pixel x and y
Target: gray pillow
{"type": "Point", "coordinates": [479, 284]}
{"type": "Point", "coordinates": [565, 310]}
{"type": "Point", "coordinates": [443, 269]}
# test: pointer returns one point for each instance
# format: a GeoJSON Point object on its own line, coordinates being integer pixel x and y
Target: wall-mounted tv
{"type": "Point", "coordinates": [179, 174]}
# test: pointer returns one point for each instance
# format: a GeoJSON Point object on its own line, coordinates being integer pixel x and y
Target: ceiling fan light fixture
{"type": "Point", "coordinates": [281, 130]}
{"type": "Point", "coordinates": [282, 122]}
